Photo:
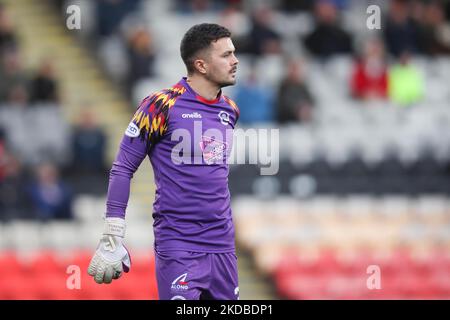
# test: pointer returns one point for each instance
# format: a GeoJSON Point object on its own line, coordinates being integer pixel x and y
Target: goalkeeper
{"type": "Point", "coordinates": [185, 132]}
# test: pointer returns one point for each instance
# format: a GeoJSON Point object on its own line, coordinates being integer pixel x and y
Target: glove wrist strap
{"type": "Point", "coordinates": [115, 227]}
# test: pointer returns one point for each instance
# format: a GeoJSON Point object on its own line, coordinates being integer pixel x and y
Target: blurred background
{"type": "Point", "coordinates": [364, 120]}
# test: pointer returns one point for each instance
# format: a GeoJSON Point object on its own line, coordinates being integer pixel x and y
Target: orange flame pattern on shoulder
{"type": "Point", "coordinates": [152, 115]}
{"type": "Point", "coordinates": [232, 104]}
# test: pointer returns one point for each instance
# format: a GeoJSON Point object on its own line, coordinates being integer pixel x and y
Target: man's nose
{"type": "Point", "coordinates": [235, 61]}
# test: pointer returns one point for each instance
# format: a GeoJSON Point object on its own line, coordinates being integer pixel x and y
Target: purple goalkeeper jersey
{"type": "Point", "coordinates": [187, 139]}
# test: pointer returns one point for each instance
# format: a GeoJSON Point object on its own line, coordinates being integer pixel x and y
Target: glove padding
{"type": "Point", "coordinates": [111, 257]}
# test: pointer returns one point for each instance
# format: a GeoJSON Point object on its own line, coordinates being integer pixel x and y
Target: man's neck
{"type": "Point", "coordinates": [203, 87]}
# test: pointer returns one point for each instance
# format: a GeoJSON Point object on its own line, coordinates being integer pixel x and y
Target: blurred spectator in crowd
{"type": "Point", "coordinates": [434, 30]}
{"type": "Point", "coordinates": [401, 31]}
{"type": "Point", "coordinates": [141, 56]}
{"type": "Point", "coordinates": [294, 99]}
{"type": "Point", "coordinates": [447, 10]}
{"type": "Point", "coordinates": [8, 39]}
{"type": "Point", "coordinates": [255, 101]}
{"type": "Point", "coordinates": [110, 14]}
{"type": "Point", "coordinates": [289, 6]}
{"type": "Point", "coordinates": [192, 6]}
{"type": "Point", "coordinates": [292, 6]}
{"type": "Point", "coordinates": [2, 153]}
{"type": "Point", "coordinates": [341, 4]}
{"type": "Point", "coordinates": [13, 201]}
{"type": "Point", "coordinates": [50, 197]}
{"type": "Point", "coordinates": [201, 6]}
{"type": "Point", "coordinates": [405, 83]}
{"type": "Point", "coordinates": [262, 39]}
{"type": "Point", "coordinates": [44, 87]}
{"type": "Point", "coordinates": [88, 145]}
{"type": "Point", "coordinates": [11, 75]}
{"type": "Point", "coordinates": [328, 38]}
{"type": "Point", "coordinates": [88, 173]}
{"type": "Point", "coordinates": [234, 19]}
{"type": "Point", "coordinates": [18, 96]}
{"type": "Point", "coordinates": [369, 79]}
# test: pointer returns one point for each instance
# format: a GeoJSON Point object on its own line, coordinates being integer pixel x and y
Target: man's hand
{"type": "Point", "coordinates": [111, 257]}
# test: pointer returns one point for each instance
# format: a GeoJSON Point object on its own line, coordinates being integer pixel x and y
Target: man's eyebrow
{"type": "Point", "coordinates": [229, 51]}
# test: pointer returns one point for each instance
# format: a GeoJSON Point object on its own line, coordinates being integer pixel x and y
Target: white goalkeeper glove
{"type": "Point", "coordinates": [111, 257]}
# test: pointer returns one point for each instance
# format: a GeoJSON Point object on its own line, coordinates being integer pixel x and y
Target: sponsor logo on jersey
{"type": "Point", "coordinates": [132, 130]}
{"type": "Point", "coordinates": [213, 150]}
{"type": "Point", "coordinates": [193, 115]}
{"type": "Point", "coordinates": [180, 283]}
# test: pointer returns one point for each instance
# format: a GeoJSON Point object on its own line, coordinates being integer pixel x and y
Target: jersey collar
{"type": "Point", "coordinates": [199, 97]}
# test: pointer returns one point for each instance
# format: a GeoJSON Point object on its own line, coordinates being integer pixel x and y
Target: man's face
{"type": "Point", "coordinates": [221, 63]}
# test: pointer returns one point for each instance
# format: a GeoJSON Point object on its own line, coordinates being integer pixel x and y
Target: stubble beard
{"type": "Point", "coordinates": [222, 83]}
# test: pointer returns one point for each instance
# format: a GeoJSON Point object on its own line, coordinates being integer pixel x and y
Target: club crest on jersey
{"type": "Point", "coordinates": [224, 117]}
{"type": "Point", "coordinates": [180, 283]}
{"type": "Point", "coordinates": [132, 130]}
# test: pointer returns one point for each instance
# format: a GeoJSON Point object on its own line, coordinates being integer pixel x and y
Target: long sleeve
{"type": "Point", "coordinates": [144, 130]}
{"type": "Point", "coordinates": [123, 168]}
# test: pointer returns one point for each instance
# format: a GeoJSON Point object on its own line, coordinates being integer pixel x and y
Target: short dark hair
{"type": "Point", "coordinates": [199, 37]}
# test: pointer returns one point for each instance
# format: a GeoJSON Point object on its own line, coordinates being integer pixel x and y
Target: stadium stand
{"type": "Point", "coordinates": [363, 180]}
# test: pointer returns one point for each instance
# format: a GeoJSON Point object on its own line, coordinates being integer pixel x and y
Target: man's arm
{"type": "Point", "coordinates": [122, 171]}
{"type": "Point", "coordinates": [134, 147]}
{"type": "Point", "coordinates": [111, 257]}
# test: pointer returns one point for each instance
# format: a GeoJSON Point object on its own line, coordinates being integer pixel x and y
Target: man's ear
{"type": "Point", "coordinates": [200, 65]}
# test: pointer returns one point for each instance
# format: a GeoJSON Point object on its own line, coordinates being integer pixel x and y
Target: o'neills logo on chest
{"type": "Point", "coordinates": [193, 115]}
